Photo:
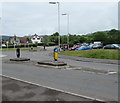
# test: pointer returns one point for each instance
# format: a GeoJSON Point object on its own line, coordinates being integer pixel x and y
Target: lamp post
{"type": "Point", "coordinates": [0, 33]}
{"type": "Point", "coordinates": [58, 20]}
{"type": "Point", "coordinates": [67, 28]}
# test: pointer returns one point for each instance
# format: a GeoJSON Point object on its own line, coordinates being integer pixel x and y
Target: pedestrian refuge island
{"type": "Point", "coordinates": [18, 56]}
{"type": "Point", "coordinates": [55, 62]}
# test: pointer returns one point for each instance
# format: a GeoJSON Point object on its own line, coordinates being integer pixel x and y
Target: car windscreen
{"type": "Point", "coordinates": [116, 45]}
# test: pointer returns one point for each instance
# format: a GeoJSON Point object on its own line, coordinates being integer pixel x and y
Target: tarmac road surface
{"type": "Point", "coordinates": [14, 90]}
{"type": "Point", "coordinates": [98, 86]}
{"type": "Point", "coordinates": [47, 55]}
{"type": "Point", "coordinates": [93, 85]}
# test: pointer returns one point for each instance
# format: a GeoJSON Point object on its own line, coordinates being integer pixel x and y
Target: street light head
{"type": "Point", "coordinates": [64, 14]}
{"type": "Point", "coordinates": [52, 2]}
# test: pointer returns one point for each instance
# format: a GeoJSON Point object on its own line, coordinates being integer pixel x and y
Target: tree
{"type": "Point", "coordinates": [100, 36]}
{"type": "Point", "coordinates": [28, 39]}
{"type": "Point", "coordinates": [45, 41]}
{"type": "Point", "coordinates": [113, 36]}
{"type": "Point", "coordinates": [64, 39]}
{"type": "Point", "coordinates": [55, 34]}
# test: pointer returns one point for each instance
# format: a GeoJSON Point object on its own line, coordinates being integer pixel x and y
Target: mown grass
{"type": "Point", "coordinates": [95, 53]}
{"type": "Point", "coordinates": [24, 48]}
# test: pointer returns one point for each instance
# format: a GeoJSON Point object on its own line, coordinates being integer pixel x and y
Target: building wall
{"type": "Point", "coordinates": [36, 39]}
{"type": "Point", "coordinates": [14, 41]}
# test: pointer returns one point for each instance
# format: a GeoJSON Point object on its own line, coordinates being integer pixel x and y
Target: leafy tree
{"type": "Point", "coordinates": [45, 41]}
{"type": "Point", "coordinates": [99, 36]}
{"type": "Point", "coordinates": [28, 39]}
{"type": "Point", "coordinates": [63, 39]}
{"type": "Point", "coordinates": [55, 34]}
{"type": "Point", "coordinates": [113, 36]}
{"type": "Point", "coordinates": [106, 37]}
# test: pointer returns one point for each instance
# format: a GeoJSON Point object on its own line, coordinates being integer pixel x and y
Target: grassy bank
{"type": "Point", "coordinates": [95, 53]}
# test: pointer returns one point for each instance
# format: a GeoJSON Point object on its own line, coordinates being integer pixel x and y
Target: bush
{"type": "Point", "coordinates": [32, 44]}
{"type": "Point", "coordinates": [51, 44]}
{"type": "Point", "coordinates": [21, 45]}
{"type": "Point", "coordinates": [40, 44]}
{"type": "Point", "coordinates": [71, 45]}
{"type": "Point", "coordinates": [48, 44]}
{"type": "Point", "coordinates": [10, 46]}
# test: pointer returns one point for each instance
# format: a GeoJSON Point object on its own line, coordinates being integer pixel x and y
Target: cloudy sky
{"type": "Point", "coordinates": [28, 18]}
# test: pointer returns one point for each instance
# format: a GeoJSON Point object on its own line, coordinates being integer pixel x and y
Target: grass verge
{"type": "Point", "coordinates": [24, 48]}
{"type": "Point", "coordinates": [95, 53]}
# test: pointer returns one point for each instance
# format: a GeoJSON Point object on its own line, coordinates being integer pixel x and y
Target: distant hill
{"type": "Point", "coordinates": [6, 37]}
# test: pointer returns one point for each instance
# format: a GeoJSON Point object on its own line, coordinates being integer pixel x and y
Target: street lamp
{"type": "Point", "coordinates": [58, 20]}
{"type": "Point", "coordinates": [67, 28]}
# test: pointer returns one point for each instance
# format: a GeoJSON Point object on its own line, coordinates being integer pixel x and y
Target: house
{"type": "Point", "coordinates": [14, 40]}
{"type": "Point", "coordinates": [36, 39]}
{"type": "Point", "coordinates": [17, 40]}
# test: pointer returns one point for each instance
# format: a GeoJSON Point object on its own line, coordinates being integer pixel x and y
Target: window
{"type": "Point", "coordinates": [38, 38]}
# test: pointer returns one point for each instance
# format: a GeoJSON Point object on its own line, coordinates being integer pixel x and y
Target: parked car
{"type": "Point", "coordinates": [97, 46]}
{"type": "Point", "coordinates": [84, 48]}
{"type": "Point", "coordinates": [91, 45]}
{"type": "Point", "coordinates": [74, 47]}
{"type": "Point", "coordinates": [65, 47]}
{"type": "Point", "coordinates": [112, 46]}
{"type": "Point", "coordinates": [3, 45]}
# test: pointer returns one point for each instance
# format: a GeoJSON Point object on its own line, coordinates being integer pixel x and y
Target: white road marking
{"type": "Point", "coordinates": [63, 91]}
{"type": "Point", "coordinates": [2, 56]}
{"type": "Point", "coordinates": [112, 72]}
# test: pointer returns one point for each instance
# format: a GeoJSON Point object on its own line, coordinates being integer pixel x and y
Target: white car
{"type": "Point", "coordinates": [3, 45]}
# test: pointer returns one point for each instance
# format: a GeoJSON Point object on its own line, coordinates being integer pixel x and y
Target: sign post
{"type": "Point", "coordinates": [7, 44]}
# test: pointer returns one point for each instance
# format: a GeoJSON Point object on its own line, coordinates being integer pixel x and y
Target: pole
{"type": "Point", "coordinates": [68, 29]}
{"type": "Point", "coordinates": [7, 44]}
{"type": "Point", "coordinates": [58, 21]}
{"type": "Point", "coordinates": [59, 24]}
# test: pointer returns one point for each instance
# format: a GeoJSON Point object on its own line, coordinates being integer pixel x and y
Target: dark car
{"type": "Point", "coordinates": [112, 46]}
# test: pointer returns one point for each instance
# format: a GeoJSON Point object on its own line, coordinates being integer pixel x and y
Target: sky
{"type": "Point", "coordinates": [28, 18]}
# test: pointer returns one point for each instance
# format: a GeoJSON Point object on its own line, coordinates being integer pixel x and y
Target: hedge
{"type": "Point", "coordinates": [33, 45]}
{"type": "Point", "coordinates": [52, 44]}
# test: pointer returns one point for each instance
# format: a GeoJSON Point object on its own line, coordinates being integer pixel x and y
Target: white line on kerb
{"type": "Point", "coordinates": [54, 88]}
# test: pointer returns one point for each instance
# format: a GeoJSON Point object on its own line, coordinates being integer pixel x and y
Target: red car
{"type": "Point", "coordinates": [74, 47]}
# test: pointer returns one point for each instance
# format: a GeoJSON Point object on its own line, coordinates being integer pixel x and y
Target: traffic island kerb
{"type": "Point", "coordinates": [20, 59]}
{"type": "Point", "coordinates": [52, 63]}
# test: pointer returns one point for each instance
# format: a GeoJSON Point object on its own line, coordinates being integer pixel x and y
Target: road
{"type": "Point", "coordinates": [100, 86]}
{"type": "Point", "coordinates": [16, 90]}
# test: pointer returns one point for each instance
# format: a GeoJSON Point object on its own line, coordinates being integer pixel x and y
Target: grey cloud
{"type": "Point", "coordinates": [24, 18]}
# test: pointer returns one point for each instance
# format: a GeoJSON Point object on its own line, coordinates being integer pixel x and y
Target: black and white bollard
{"type": "Point", "coordinates": [18, 56]}
{"type": "Point", "coordinates": [18, 52]}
